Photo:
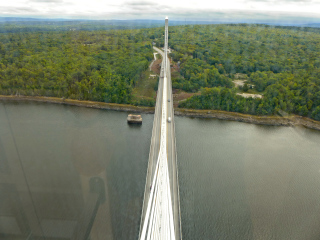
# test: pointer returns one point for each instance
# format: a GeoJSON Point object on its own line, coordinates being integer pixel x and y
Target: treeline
{"type": "Point", "coordinates": [72, 25]}
{"type": "Point", "coordinates": [282, 63]}
{"type": "Point", "coordinates": [277, 100]}
{"type": "Point", "coordinates": [100, 65]}
{"type": "Point", "coordinates": [196, 74]}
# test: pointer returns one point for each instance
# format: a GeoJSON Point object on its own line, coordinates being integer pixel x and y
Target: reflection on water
{"type": "Point", "coordinates": [57, 165]}
{"type": "Point", "coordinates": [69, 173]}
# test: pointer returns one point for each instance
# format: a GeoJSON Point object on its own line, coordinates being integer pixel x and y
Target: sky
{"type": "Point", "coordinates": [151, 9]}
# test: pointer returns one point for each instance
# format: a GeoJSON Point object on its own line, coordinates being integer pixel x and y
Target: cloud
{"type": "Point", "coordinates": [18, 10]}
{"type": "Point", "coordinates": [144, 7]}
{"type": "Point", "coordinates": [47, 1]}
{"type": "Point", "coordinates": [285, 1]}
{"type": "Point", "coordinates": [140, 3]}
{"type": "Point", "coordinates": [280, 1]}
{"type": "Point", "coordinates": [155, 9]}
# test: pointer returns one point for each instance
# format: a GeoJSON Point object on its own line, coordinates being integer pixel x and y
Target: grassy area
{"type": "Point", "coordinates": [158, 56]}
{"type": "Point", "coordinates": [145, 88]}
{"type": "Point", "coordinates": [244, 77]}
{"type": "Point", "coordinates": [254, 91]}
{"type": "Point", "coordinates": [180, 96]}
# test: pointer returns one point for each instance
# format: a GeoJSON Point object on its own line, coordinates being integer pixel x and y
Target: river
{"type": "Point", "coordinates": [237, 180]}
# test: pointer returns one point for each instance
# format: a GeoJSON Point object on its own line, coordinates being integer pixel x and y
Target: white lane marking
{"type": "Point", "coordinates": [158, 222]}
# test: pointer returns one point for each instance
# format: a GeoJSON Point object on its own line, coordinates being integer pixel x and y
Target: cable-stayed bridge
{"type": "Point", "coordinates": [160, 217]}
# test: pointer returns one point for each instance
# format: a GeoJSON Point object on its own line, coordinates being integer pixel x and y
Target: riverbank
{"type": "Point", "coordinates": [292, 120]}
{"type": "Point", "coordinates": [289, 121]}
{"type": "Point", "coordinates": [90, 104]}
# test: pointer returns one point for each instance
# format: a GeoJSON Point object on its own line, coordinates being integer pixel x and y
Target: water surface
{"type": "Point", "coordinates": [237, 180]}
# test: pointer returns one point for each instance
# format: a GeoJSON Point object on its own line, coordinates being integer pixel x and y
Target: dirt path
{"type": "Point", "coordinates": [247, 95]}
{"type": "Point", "coordinates": [155, 58]}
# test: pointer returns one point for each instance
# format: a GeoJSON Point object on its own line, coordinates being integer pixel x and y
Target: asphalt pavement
{"type": "Point", "coordinates": [171, 148]}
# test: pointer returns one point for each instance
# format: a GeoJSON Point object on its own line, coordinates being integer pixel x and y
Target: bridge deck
{"type": "Point", "coordinates": [162, 161]}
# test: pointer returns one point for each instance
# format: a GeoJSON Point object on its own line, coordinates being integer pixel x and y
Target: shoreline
{"type": "Point", "coordinates": [289, 121]}
{"type": "Point", "coordinates": [72, 102]}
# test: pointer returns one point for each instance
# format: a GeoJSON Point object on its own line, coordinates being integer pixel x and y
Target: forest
{"type": "Point", "coordinates": [17, 25]}
{"type": "Point", "coordinates": [282, 64]}
{"type": "Point", "coordinates": [85, 65]}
